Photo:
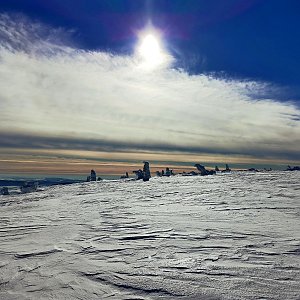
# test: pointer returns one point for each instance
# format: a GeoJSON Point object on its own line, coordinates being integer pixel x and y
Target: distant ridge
{"type": "Point", "coordinates": [41, 182]}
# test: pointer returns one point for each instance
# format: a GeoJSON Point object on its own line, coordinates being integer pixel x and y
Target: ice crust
{"type": "Point", "coordinates": [228, 236]}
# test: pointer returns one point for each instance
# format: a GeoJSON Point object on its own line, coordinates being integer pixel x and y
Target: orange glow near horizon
{"type": "Point", "coordinates": [77, 162]}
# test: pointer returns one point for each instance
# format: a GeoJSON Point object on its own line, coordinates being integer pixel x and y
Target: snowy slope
{"type": "Point", "coordinates": [229, 236]}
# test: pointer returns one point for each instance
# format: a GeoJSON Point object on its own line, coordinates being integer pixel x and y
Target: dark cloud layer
{"type": "Point", "coordinates": [23, 141]}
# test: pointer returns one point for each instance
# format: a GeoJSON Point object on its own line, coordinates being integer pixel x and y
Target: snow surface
{"type": "Point", "coordinates": [229, 236]}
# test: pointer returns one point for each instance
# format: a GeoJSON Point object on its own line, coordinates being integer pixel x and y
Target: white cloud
{"type": "Point", "coordinates": [50, 89]}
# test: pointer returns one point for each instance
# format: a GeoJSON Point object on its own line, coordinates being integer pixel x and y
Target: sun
{"type": "Point", "coordinates": [150, 50]}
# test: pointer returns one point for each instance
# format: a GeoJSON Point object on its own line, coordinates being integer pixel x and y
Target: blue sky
{"type": "Point", "coordinates": [257, 39]}
{"type": "Point", "coordinates": [75, 86]}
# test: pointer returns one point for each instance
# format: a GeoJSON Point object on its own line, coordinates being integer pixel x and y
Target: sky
{"type": "Point", "coordinates": [107, 84]}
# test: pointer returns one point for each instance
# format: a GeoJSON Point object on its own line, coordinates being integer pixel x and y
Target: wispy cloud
{"type": "Point", "coordinates": [55, 95]}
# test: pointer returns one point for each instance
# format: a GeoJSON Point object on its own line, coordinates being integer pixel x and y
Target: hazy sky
{"type": "Point", "coordinates": [77, 91]}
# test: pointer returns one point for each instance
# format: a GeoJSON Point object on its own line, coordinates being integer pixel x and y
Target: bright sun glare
{"type": "Point", "coordinates": [150, 50]}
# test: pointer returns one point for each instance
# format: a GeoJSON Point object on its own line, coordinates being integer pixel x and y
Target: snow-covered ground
{"type": "Point", "coordinates": [229, 236]}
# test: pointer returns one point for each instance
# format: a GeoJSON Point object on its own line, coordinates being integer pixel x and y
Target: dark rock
{"type": "Point", "coordinates": [146, 171]}
{"type": "Point", "coordinates": [227, 169]}
{"type": "Point", "coordinates": [296, 168]}
{"type": "Point", "coordinates": [4, 191]}
{"type": "Point", "coordinates": [29, 187]}
{"type": "Point", "coordinates": [143, 174]}
{"type": "Point", "coordinates": [192, 173]}
{"type": "Point", "coordinates": [124, 176]}
{"type": "Point", "coordinates": [203, 171]}
{"type": "Point", "coordinates": [93, 175]}
{"type": "Point", "coordinates": [138, 174]}
{"type": "Point", "coordinates": [168, 172]}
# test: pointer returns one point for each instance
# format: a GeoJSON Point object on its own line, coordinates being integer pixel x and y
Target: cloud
{"type": "Point", "coordinates": [52, 91]}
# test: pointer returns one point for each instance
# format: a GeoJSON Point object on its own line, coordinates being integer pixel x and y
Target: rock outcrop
{"type": "Point", "coordinates": [203, 171]}
{"type": "Point", "coordinates": [29, 187]}
{"type": "Point", "coordinates": [138, 174]}
{"type": "Point", "coordinates": [124, 176]}
{"type": "Point", "coordinates": [4, 191]}
{"type": "Point", "coordinates": [168, 172]}
{"type": "Point", "coordinates": [93, 175]}
{"type": "Point", "coordinates": [146, 171]}
{"type": "Point", "coordinates": [144, 174]}
{"type": "Point", "coordinates": [296, 168]}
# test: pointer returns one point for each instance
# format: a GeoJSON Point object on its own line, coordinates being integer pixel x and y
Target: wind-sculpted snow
{"type": "Point", "coordinates": [229, 236]}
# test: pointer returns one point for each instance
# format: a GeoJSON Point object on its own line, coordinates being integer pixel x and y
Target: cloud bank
{"type": "Point", "coordinates": [58, 96]}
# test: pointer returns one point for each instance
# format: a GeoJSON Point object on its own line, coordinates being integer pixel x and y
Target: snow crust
{"type": "Point", "coordinates": [228, 236]}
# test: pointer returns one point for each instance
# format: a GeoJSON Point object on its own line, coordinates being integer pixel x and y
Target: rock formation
{"type": "Point", "coordinates": [203, 171]}
{"type": "Point", "coordinates": [93, 175]}
{"type": "Point", "coordinates": [29, 187]}
{"type": "Point", "coordinates": [138, 174]}
{"type": "Point", "coordinates": [4, 191]}
{"type": "Point", "coordinates": [143, 174]}
{"type": "Point", "coordinates": [296, 168]}
{"type": "Point", "coordinates": [192, 173]}
{"type": "Point", "coordinates": [146, 171]}
{"type": "Point", "coordinates": [227, 169]}
{"type": "Point", "coordinates": [168, 172]}
{"type": "Point", "coordinates": [124, 176]}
